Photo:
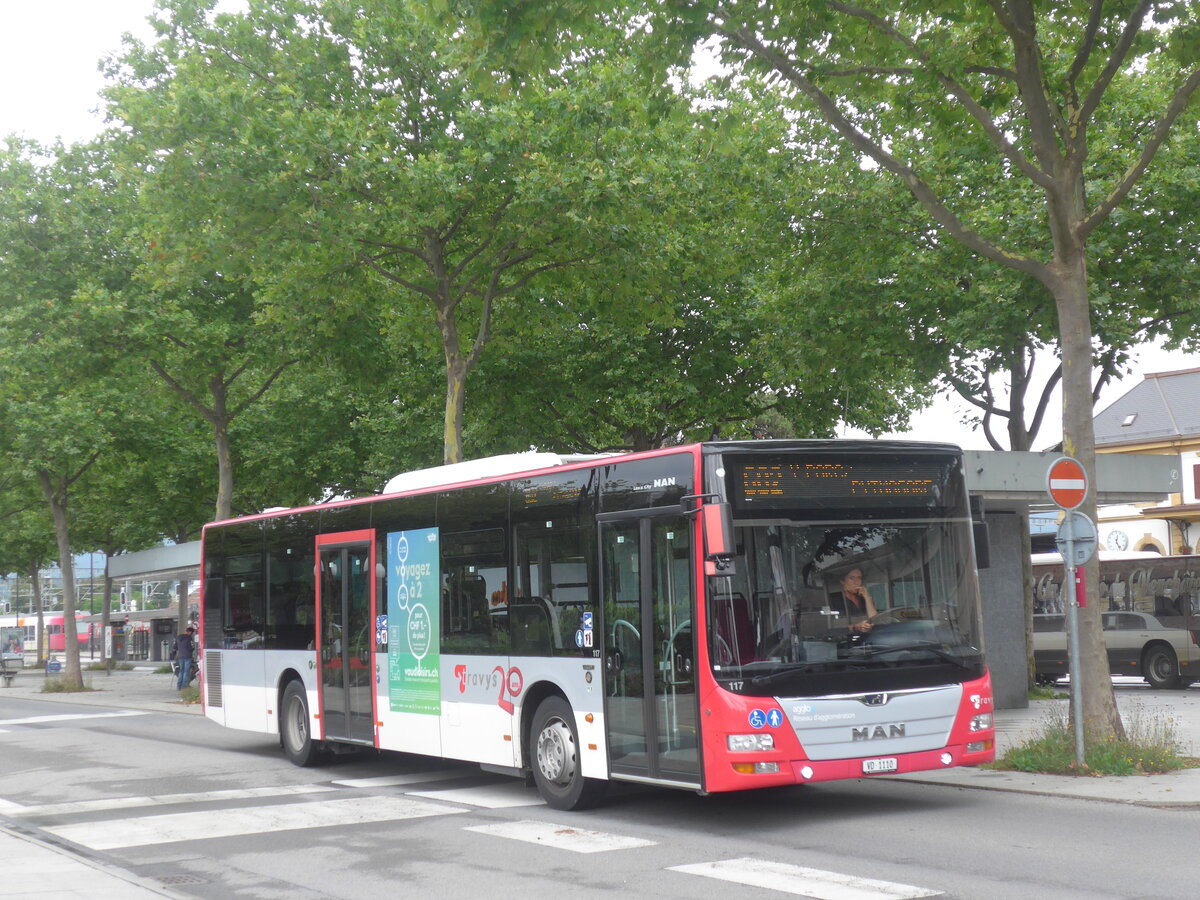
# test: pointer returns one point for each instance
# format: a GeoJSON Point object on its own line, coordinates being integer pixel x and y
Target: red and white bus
{"type": "Point", "coordinates": [672, 617]}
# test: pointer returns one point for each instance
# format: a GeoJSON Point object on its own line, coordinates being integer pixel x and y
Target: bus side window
{"type": "Point", "coordinates": [473, 574]}
{"type": "Point", "coordinates": [554, 589]}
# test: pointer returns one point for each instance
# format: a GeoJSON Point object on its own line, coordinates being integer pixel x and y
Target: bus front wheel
{"type": "Point", "coordinates": [554, 747]}
{"type": "Point", "coordinates": [294, 730]}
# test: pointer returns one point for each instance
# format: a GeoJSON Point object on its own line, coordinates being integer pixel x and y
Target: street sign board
{"type": "Point", "coordinates": [1082, 543]}
{"type": "Point", "coordinates": [1066, 482]}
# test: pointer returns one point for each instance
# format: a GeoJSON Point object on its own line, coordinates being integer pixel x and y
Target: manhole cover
{"type": "Point", "coordinates": [180, 879]}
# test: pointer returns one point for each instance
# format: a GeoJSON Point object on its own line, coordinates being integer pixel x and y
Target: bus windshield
{"type": "Point", "coordinates": [830, 596]}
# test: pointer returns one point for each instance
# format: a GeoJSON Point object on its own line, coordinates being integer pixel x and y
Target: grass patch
{"type": "Point", "coordinates": [114, 666]}
{"type": "Point", "coordinates": [163, 669]}
{"type": "Point", "coordinates": [60, 686]}
{"type": "Point", "coordinates": [1047, 692]}
{"type": "Point", "coordinates": [190, 694]}
{"type": "Point", "coordinates": [1149, 748]}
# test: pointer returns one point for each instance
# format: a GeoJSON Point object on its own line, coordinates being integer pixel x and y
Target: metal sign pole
{"type": "Point", "coordinates": [1067, 485]}
{"type": "Point", "coordinates": [1073, 650]}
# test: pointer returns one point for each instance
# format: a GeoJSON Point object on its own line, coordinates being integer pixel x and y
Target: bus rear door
{"type": "Point", "coordinates": [345, 637]}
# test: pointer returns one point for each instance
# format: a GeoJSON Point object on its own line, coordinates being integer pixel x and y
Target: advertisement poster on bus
{"type": "Point", "coordinates": [414, 613]}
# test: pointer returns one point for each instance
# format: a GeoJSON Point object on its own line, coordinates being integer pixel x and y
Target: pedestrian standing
{"type": "Point", "coordinates": [185, 651]}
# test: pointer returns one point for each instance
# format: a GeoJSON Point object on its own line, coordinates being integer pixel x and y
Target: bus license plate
{"type": "Point", "coordinates": [875, 766]}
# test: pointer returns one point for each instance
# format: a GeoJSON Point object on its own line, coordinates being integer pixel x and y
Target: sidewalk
{"type": "Point", "coordinates": [138, 688]}
{"type": "Point", "coordinates": [38, 870]}
{"type": "Point", "coordinates": [1141, 709]}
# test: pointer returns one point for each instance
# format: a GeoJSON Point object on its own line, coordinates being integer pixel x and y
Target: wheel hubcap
{"type": "Point", "coordinates": [299, 729]}
{"type": "Point", "coordinates": [556, 753]}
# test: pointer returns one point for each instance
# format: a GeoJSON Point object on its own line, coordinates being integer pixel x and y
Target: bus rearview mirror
{"type": "Point", "coordinates": [717, 519]}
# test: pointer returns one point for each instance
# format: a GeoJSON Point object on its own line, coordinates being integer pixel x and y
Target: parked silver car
{"type": "Point", "coordinates": [1137, 642]}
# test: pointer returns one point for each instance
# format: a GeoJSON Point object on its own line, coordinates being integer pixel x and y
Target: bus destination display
{"type": "Point", "coordinates": [777, 484]}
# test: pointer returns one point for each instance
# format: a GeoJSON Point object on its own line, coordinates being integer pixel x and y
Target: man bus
{"type": "Point", "coordinates": [664, 617]}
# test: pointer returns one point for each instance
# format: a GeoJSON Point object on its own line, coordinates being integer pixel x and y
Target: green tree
{"type": "Point", "coordinates": [323, 140]}
{"type": "Point", "coordinates": [59, 225]}
{"type": "Point", "coordinates": [1016, 86]}
{"type": "Point", "coordinates": [728, 323]}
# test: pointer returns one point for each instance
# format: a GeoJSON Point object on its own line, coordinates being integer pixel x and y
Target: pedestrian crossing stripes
{"type": "Point", "coordinates": [312, 808]}
{"type": "Point", "coordinates": [805, 882]}
{"type": "Point", "coordinates": [410, 778]}
{"type": "Point", "coordinates": [561, 837]}
{"type": "Point", "coordinates": [67, 717]}
{"type": "Point", "coordinates": [490, 796]}
{"type": "Point", "coordinates": [142, 831]}
{"type": "Point", "coordinates": [110, 803]}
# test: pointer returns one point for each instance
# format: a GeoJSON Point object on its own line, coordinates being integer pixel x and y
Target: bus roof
{"type": "Point", "coordinates": [487, 467]}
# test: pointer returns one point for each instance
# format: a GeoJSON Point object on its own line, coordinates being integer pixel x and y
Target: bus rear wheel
{"type": "Point", "coordinates": [294, 732]}
{"type": "Point", "coordinates": [554, 747]}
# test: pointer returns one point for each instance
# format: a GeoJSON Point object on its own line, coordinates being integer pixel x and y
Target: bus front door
{"type": "Point", "coordinates": [345, 605]}
{"type": "Point", "coordinates": [651, 708]}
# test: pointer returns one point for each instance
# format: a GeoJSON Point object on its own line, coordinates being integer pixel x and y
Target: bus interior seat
{"type": "Point", "coordinates": [529, 627]}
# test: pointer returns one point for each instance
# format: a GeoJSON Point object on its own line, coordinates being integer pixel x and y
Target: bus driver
{"type": "Point", "coordinates": [856, 600]}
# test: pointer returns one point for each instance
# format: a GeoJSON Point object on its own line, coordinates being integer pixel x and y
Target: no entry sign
{"type": "Point", "coordinates": [1066, 482]}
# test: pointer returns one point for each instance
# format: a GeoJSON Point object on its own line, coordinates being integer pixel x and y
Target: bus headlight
{"type": "Point", "coordinates": [749, 743]}
{"type": "Point", "coordinates": [981, 722]}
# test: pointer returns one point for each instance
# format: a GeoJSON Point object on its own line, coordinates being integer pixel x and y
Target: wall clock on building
{"type": "Point", "coordinates": [1117, 540]}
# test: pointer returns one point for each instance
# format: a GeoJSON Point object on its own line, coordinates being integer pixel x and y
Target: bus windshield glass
{"type": "Point", "coordinates": [852, 573]}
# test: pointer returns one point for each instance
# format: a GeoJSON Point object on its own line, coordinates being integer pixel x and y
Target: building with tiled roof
{"type": "Point", "coordinates": [1160, 416]}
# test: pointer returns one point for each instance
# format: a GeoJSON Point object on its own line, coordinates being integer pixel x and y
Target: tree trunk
{"type": "Point", "coordinates": [456, 387]}
{"type": "Point", "coordinates": [56, 497]}
{"type": "Point", "coordinates": [220, 422]}
{"type": "Point", "coordinates": [36, 584]}
{"type": "Point", "coordinates": [1101, 720]}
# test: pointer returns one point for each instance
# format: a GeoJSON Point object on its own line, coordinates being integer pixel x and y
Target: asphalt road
{"type": "Point", "coordinates": [207, 812]}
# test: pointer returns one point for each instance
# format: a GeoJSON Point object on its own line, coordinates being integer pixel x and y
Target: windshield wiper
{"type": "Point", "coordinates": [839, 665]}
{"type": "Point", "coordinates": [938, 650]}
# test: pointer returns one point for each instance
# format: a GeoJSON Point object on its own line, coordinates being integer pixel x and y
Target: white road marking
{"type": "Point", "coordinates": [561, 837]}
{"type": "Point", "coordinates": [218, 823]}
{"type": "Point", "coordinates": [802, 881]}
{"type": "Point", "coordinates": [38, 720]}
{"type": "Point", "coordinates": [10, 807]}
{"type": "Point", "coordinates": [84, 806]}
{"type": "Point", "coordinates": [413, 778]}
{"type": "Point", "coordinates": [497, 796]}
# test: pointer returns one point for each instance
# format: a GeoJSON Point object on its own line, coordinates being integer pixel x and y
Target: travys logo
{"type": "Point", "coordinates": [510, 683]}
{"type": "Point", "coordinates": [486, 680]}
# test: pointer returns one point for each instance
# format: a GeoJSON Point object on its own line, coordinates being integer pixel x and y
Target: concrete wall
{"type": "Point", "coordinates": [1004, 611]}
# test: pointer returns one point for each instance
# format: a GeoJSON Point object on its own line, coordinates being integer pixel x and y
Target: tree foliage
{"type": "Point", "coordinates": [1020, 90]}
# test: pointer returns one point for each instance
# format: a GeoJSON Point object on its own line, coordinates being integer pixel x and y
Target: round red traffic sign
{"type": "Point", "coordinates": [1066, 482]}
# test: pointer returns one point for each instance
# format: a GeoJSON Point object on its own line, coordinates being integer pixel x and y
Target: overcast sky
{"type": "Point", "coordinates": [49, 52]}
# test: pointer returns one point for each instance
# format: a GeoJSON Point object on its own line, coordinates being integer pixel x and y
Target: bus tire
{"type": "Point", "coordinates": [294, 732]}
{"type": "Point", "coordinates": [1160, 667]}
{"type": "Point", "coordinates": [554, 752]}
